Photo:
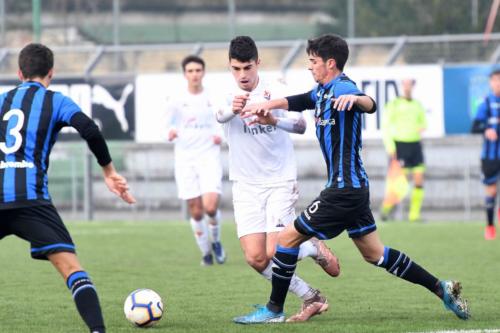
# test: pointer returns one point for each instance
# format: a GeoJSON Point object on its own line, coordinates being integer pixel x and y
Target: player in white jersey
{"type": "Point", "coordinates": [198, 170]}
{"type": "Point", "coordinates": [263, 170]}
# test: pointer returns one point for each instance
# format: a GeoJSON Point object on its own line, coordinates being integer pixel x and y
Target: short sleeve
{"type": "Point", "coordinates": [346, 88]}
{"type": "Point", "coordinates": [482, 111]}
{"type": "Point", "coordinates": [67, 109]}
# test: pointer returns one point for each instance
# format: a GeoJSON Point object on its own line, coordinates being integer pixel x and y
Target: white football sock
{"type": "Point", "coordinates": [214, 227]}
{"type": "Point", "coordinates": [299, 287]}
{"type": "Point", "coordinates": [267, 273]}
{"type": "Point", "coordinates": [307, 249]}
{"type": "Point", "coordinates": [201, 235]}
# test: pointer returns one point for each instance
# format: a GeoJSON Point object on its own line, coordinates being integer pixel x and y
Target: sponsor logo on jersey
{"type": "Point", "coordinates": [258, 129]}
{"type": "Point", "coordinates": [17, 165]}
{"type": "Point", "coordinates": [325, 122]}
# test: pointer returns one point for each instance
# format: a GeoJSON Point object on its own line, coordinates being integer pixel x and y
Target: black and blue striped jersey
{"type": "Point", "coordinates": [338, 132]}
{"type": "Point", "coordinates": [30, 119]}
{"type": "Point", "coordinates": [488, 116]}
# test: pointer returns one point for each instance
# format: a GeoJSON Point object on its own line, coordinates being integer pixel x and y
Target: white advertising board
{"type": "Point", "coordinates": [381, 83]}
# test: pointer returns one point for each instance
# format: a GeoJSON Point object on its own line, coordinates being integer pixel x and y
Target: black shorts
{"type": "Point", "coordinates": [336, 210]}
{"type": "Point", "coordinates": [491, 171]}
{"type": "Point", "coordinates": [409, 154]}
{"type": "Point", "coordinates": [41, 226]}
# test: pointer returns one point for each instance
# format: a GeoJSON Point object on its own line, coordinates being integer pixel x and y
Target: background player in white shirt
{"type": "Point", "coordinates": [262, 167]}
{"type": "Point", "coordinates": [198, 170]}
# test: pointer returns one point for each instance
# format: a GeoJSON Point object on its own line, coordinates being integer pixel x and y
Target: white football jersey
{"type": "Point", "coordinates": [260, 154]}
{"type": "Point", "coordinates": [193, 118]}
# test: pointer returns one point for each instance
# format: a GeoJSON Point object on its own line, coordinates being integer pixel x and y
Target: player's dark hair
{"type": "Point", "coordinates": [329, 46]}
{"type": "Point", "coordinates": [243, 48]}
{"type": "Point", "coordinates": [35, 60]}
{"type": "Point", "coordinates": [192, 58]}
{"type": "Point", "coordinates": [495, 71]}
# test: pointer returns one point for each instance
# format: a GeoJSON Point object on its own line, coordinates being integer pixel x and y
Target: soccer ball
{"type": "Point", "coordinates": [143, 307]}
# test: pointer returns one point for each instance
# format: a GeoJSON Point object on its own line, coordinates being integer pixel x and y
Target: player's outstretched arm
{"type": "Point", "coordinates": [295, 125]}
{"type": "Point", "coordinates": [346, 103]}
{"type": "Point", "coordinates": [297, 103]}
{"type": "Point", "coordinates": [90, 132]}
{"type": "Point", "coordinates": [264, 108]}
{"type": "Point", "coordinates": [292, 125]}
{"type": "Point", "coordinates": [117, 184]}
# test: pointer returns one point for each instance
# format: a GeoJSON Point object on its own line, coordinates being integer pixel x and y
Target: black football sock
{"type": "Point", "coordinates": [400, 265]}
{"type": "Point", "coordinates": [284, 263]}
{"type": "Point", "coordinates": [86, 300]}
{"type": "Point", "coordinates": [490, 208]}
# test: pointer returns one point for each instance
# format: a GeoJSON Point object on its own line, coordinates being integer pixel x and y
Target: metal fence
{"type": "Point", "coordinates": [89, 60]}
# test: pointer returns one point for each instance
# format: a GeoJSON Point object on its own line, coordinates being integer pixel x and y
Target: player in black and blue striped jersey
{"type": "Point", "coordinates": [345, 202]}
{"type": "Point", "coordinates": [487, 122]}
{"type": "Point", "coordinates": [30, 118]}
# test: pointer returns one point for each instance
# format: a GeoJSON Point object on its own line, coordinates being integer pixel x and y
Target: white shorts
{"type": "Point", "coordinates": [195, 179]}
{"type": "Point", "coordinates": [263, 208]}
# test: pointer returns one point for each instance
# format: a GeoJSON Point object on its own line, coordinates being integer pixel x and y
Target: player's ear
{"type": "Point", "coordinates": [331, 64]}
{"type": "Point", "coordinates": [50, 74]}
{"type": "Point", "coordinates": [20, 74]}
{"type": "Point", "coordinates": [257, 62]}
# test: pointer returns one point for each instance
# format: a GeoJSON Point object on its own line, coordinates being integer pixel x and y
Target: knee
{"type": "Point", "coordinates": [66, 263]}
{"type": "Point", "coordinates": [257, 262]}
{"type": "Point", "coordinates": [196, 214]}
{"type": "Point", "coordinates": [211, 211]}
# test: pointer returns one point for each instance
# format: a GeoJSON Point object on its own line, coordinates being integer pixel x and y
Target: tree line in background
{"type": "Point", "coordinates": [372, 18]}
{"type": "Point", "coordinates": [410, 17]}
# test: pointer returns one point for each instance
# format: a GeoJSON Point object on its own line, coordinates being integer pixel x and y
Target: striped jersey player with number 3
{"type": "Point", "coordinates": [31, 116]}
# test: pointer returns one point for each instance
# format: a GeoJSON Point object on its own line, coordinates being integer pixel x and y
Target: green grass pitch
{"type": "Point", "coordinates": [123, 256]}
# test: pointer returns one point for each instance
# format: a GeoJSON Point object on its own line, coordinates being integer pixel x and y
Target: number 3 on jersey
{"type": "Point", "coordinates": [14, 131]}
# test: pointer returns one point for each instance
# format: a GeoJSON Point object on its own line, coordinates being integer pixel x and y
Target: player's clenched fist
{"type": "Point", "coordinates": [172, 135]}
{"type": "Point", "coordinates": [217, 140]}
{"type": "Point", "coordinates": [239, 103]}
{"type": "Point", "coordinates": [491, 134]}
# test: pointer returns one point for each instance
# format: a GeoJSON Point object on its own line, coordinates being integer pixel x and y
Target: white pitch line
{"type": "Point", "coordinates": [486, 330]}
